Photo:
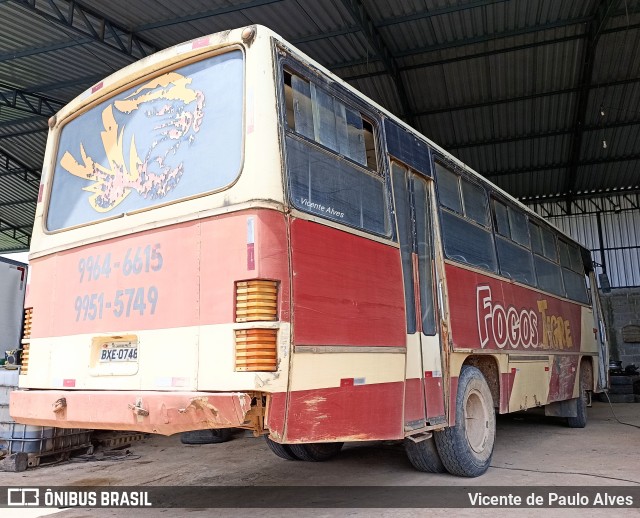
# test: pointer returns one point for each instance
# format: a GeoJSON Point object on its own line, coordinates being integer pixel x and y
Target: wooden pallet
{"type": "Point", "coordinates": [53, 457]}
{"type": "Point", "coordinates": [115, 440]}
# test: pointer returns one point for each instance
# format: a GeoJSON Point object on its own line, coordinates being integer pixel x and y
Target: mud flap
{"type": "Point", "coordinates": [568, 408]}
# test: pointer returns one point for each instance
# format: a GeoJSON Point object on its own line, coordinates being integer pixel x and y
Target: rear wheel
{"type": "Point", "coordinates": [580, 420]}
{"type": "Point", "coordinates": [206, 436]}
{"type": "Point", "coordinates": [466, 448]}
{"type": "Point", "coordinates": [424, 456]}
{"type": "Point", "coordinates": [281, 450]}
{"type": "Point", "coordinates": [316, 452]}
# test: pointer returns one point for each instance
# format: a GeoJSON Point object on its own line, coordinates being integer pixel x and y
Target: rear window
{"type": "Point", "coordinates": [174, 136]}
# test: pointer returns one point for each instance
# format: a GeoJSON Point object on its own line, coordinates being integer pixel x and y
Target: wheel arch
{"type": "Point", "coordinates": [488, 366]}
{"type": "Point", "coordinates": [588, 365]}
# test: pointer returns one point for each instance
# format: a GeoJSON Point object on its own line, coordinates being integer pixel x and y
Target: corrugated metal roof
{"type": "Point", "coordinates": [509, 86]}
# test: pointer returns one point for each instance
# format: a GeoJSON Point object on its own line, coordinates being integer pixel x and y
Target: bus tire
{"type": "Point", "coordinates": [580, 420]}
{"type": "Point", "coordinates": [211, 436]}
{"type": "Point", "coordinates": [281, 450]}
{"type": "Point", "coordinates": [316, 452]}
{"type": "Point", "coordinates": [424, 456]}
{"type": "Point", "coordinates": [466, 448]}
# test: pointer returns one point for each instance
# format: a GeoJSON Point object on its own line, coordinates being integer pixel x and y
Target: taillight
{"type": "Point", "coordinates": [256, 301]}
{"type": "Point", "coordinates": [256, 349]}
{"type": "Point", "coordinates": [26, 339]}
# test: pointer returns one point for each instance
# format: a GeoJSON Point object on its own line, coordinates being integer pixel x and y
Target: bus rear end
{"type": "Point", "coordinates": [160, 277]}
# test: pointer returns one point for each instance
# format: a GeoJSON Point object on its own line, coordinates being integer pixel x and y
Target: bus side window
{"type": "Point", "coordinates": [448, 189]}
{"type": "Point", "coordinates": [475, 202]}
{"type": "Point", "coordinates": [545, 260]}
{"type": "Point", "coordinates": [573, 271]}
{"type": "Point", "coordinates": [512, 243]}
{"type": "Point", "coordinates": [466, 233]}
{"type": "Point", "coordinates": [331, 158]}
{"type": "Point", "coordinates": [317, 115]}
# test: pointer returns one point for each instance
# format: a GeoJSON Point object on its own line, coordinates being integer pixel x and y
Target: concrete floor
{"type": "Point", "coordinates": [531, 450]}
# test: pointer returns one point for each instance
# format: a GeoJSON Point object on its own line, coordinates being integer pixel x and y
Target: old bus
{"type": "Point", "coordinates": [228, 235]}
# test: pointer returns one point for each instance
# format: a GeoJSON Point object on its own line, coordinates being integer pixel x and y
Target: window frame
{"type": "Point", "coordinates": [561, 240]}
{"type": "Point", "coordinates": [147, 76]}
{"type": "Point", "coordinates": [438, 160]}
{"type": "Point", "coordinates": [509, 238]}
{"type": "Point", "coordinates": [461, 176]}
{"type": "Point", "coordinates": [556, 235]}
{"type": "Point", "coordinates": [286, 62]}
{"type": "Point", "coordinates": [319, 82]}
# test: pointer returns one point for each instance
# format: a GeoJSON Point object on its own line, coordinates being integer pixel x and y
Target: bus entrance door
{"type": "Point", "coordinates": [424, 386]}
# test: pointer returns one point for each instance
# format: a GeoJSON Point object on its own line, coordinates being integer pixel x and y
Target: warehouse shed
{"type": "Point", "coordinates": [541, 97]}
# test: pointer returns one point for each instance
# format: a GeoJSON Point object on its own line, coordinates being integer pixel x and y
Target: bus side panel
{"type": "Point", "coordinates": [488, 313]}
{"type": "Point", "coordinates": [335, 395]}
{"type": "Point", "coordinates": [535, 330]}
{"type": "Point", "coordinates": [564, 371]}
{"type": "Point", "coordinates": [346, 413]}
{"type": "Point", "coordinates": [347, 294]}
{"type": "Point", "coordinates": [276, 411]}
{"type": "Point", "coordinates": [347, 290]}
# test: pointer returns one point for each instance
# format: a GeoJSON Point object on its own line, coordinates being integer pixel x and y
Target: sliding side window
{"type": "Point", "coordinates": [543, 243]}
{"type": "Point", "coordinates": [573, 271]}
{"type": "Point", "coordinates": [464, 209]}
{"type": "Point", "coordinates": [512, 243]}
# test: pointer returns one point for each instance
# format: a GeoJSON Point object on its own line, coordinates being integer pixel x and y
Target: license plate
{"type": "Point", "coordinates": [119, 352]}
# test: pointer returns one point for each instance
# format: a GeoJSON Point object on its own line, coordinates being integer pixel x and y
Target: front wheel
{"type": "Point", "coordinates": [466, 448]}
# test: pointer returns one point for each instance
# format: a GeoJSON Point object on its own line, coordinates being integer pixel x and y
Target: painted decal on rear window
{"type": "Point", "coordinates": [174, 136]}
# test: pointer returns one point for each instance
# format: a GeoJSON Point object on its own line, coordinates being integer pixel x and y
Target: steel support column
{"type": "Point", "coordinates": [374, 38]}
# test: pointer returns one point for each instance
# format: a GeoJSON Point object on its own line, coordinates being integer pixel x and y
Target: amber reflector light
{"type": "Point", "coordinates": [26, 338]}
{"type": "Point", "coordinates": [256, 300]}
{"type": "Point", "coordinates": [256, 349]}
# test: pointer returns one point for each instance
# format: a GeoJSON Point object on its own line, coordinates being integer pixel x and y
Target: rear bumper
{"type": "Point", "coordinates": [143, 411]}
